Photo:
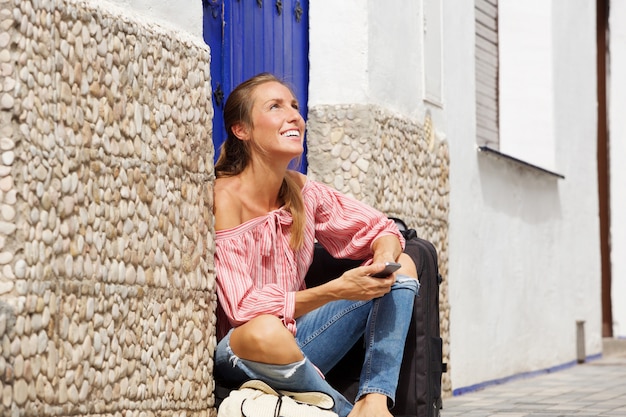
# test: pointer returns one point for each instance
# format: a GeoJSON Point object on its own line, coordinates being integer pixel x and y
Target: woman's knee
{"type": "Point", "coordinates": [408, 266]}
{"type": "Point", "coordinates": [265, 339]}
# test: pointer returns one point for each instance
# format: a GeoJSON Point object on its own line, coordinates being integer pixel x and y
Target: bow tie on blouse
{"type": "Point", "coordinates": [277, 224]}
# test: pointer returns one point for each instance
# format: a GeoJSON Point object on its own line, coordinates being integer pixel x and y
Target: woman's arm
{"type": "Point", "coordinates": [386, 249]}
{"type": "Point", "coordinates": [355, 284]}
{"type": "Point", "coordinates": [349, 228]}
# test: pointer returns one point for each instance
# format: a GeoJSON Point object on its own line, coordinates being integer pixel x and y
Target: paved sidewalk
{"type": "Point", "coordinates": [595, 388]}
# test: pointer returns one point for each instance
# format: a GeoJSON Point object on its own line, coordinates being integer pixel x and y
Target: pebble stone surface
{"type": "Point", "coordinates": [107, 295]}
{"type": "Point", "coordinates": [397, 165]}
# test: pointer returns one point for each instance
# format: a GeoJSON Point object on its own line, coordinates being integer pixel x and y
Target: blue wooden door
{"type": "Point", "coordinates": [252, 36]}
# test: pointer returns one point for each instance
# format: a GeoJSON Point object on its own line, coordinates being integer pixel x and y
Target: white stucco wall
{"type": "Point", "coordinates": [338, 53]}
{"type": "Point", "coordinates": [361, 54]}
{"type": "Point", "coordinates": [524, 246]}
{"type": "Point", "coordinates": [395, 60]}
{"type": "Point", "coordinates": [182, 15]}
{"type": "Point", "coordinates": [617, 129]}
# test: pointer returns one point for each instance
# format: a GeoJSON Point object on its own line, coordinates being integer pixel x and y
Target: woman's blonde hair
{"type": "Point", "coordinates": [235, 153]}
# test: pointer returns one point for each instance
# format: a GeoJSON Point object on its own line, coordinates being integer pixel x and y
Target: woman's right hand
{"type": "Point", "coordinates": [358, 284]}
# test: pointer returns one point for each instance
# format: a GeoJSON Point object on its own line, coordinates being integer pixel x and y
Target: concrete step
{"type": "Point", "coordinates": [613, 347]}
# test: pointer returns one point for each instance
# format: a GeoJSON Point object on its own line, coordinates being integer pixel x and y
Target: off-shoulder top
{"type": "Point", "coordinates": [259, 273]}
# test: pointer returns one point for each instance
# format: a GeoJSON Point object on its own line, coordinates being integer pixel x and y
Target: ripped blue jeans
{"type": "Point", "coordinates": [325, 335]}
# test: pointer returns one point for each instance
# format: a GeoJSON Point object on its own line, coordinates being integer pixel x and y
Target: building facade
{"type": "Point", "coordinates": [107, 285]}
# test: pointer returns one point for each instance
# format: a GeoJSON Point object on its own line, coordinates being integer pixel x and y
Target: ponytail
{"type": "Point", "coordinates": [291, 196]}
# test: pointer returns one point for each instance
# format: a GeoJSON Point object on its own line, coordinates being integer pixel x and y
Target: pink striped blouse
{"type": "Point", "coordinates": [259, 273]}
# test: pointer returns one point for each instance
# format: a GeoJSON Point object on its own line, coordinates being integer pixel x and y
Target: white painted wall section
{"type": "Point", "coordinates": [338, 52]}
{"type": "Point", "coordinates": [617, 139]}
{"type": "Point", "coordinates": [396, 56]}
{"type": "Point", "coordinates": [181, 15]}
{"type": "Point", "coordinates": [366, 52]}
{"type": "Point", "coordinates": [524, 246]}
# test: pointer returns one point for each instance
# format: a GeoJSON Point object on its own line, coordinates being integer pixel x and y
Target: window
{"type": "Point", "coordinates": [514, 85]}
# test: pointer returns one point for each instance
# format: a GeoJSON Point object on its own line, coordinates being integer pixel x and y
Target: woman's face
{"type": "Point", "coordinates": [277, 126]}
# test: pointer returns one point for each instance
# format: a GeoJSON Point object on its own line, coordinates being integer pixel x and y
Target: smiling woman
{"type": "Point", "coordinates": [257, 115]}
{"type": "Point", "coordinates": [267, 219]}
{"type": "Point", "coordinates": [276, 128]}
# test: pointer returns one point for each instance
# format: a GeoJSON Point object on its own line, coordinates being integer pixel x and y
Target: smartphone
{"type": "Point", "coordinates": [390, 267]}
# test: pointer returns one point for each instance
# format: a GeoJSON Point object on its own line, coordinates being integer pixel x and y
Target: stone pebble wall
{"type": "Point", "coordinates": [106, 276]}
{"type": "Point", "coordinates": [394, 164]}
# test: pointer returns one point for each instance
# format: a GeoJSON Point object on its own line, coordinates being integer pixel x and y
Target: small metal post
{"type": "Point", "coordinates": [580, 341]}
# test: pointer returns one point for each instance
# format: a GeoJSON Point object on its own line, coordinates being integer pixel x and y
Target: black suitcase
{"type": "Point", "coordinates": [419, 388]}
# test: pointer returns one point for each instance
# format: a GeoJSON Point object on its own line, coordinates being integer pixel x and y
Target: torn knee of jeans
{"type": "Point", "coordinates": [273, 371]}
{"type": "Point", "coordinates": [406, 280]}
